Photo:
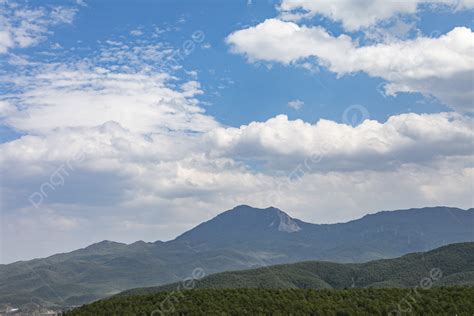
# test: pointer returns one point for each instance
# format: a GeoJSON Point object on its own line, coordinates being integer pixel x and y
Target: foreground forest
{"type": "Point", "coordinates": [415, 301]}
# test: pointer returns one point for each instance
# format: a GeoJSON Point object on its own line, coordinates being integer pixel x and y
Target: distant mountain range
{"type": "Point", "coordinates": [451, 265]}
{"type": "Point", "coordinates": [241, 238]}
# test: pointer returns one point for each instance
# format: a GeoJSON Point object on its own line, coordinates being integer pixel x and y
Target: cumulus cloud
{"type": "Point", "coordinates": [354, 15]}
{"type": "Point", "coordinates": [405, 138]}
{"type": "Point", "coordinates": [440, 67]}
{"type": "Point", "coordinates": [286, 42]}
{"type": "Point", "coordinates": [23, 26]}
{"type": "Point", "coordinates": [168, 166]}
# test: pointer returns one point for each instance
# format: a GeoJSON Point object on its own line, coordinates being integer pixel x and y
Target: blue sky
{"type": "Point", "coordinates": [182, 109]}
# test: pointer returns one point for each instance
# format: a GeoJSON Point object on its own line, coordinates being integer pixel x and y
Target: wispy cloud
{"type": "Point", "coordinates": [23, 26]}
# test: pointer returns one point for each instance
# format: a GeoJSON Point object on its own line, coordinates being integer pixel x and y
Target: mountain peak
{"type": "Point", "coordinates": [274, 217]}
{"type": "Point", "coordinates": [242, 222]}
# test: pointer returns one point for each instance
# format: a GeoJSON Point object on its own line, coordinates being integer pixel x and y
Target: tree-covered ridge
{"type": "Point", "coordinates": [436, 301]}
{"type": "Point", "coordinates": [444, 266]}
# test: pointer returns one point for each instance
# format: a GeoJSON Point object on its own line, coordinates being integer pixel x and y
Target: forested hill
{"type": "Point", "coordinates": [393, 302]}
{"type": "Point", "coordinates": [444, 266]}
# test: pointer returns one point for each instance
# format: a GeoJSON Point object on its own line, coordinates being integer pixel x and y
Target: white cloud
{"type": "Point", "coordinates": [295, 104]}
{"type": "Point", "coordinates": [6, 109]}
{"type": "Point", "coordinates": [22, 26]}
{"type": "Point", "coordinates": [140, 102]}
{"type": "Point", "coordinates": [279, 142]}
{"type": "Point", "coordinates": [286, 42]}
{"type": "Point", "coordinates": [354, 15]}
{"type": "Point", "coordinates": [6, 41]}
{"type": "Point", "coordinates": [440, 67]}
{"type": "Point", "coordinates": [405, 138]}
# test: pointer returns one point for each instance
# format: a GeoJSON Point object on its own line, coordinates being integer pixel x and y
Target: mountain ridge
{"type": "Point", "coordinates": [369, 215]}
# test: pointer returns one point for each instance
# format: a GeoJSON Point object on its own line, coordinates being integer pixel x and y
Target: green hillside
{"type": "Point", "coordinates": [437, 301]}
{"type": "Point", "coordinates": [445, 266]}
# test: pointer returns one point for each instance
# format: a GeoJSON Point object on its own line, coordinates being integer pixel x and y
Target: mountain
{"type": "Point", "coordinates": [451, 265]}
{"type": "Point", "coordinates": [241, 238]}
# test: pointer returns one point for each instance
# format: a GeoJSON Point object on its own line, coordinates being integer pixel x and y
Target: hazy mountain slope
{"type": "Point", "coordinates": [453, 264]}
{"type": "Point", "coordinates": [241, 238]}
